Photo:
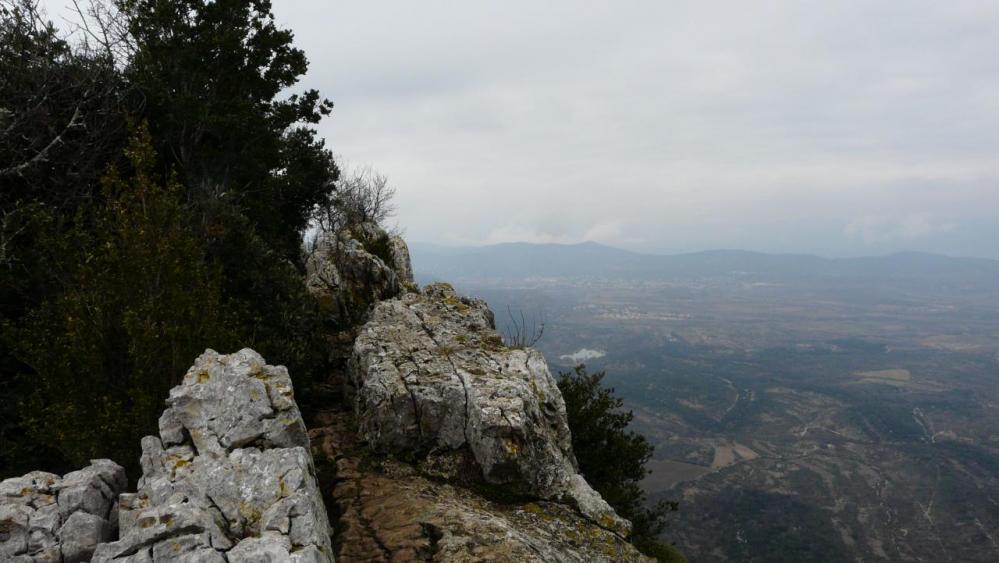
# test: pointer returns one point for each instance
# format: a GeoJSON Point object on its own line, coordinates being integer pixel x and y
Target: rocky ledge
{"type": "Point", "coordinates": [435, 383]}
{"type": "Point", "coordinates": [391, 511]}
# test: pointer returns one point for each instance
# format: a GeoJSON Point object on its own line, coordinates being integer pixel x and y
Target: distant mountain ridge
{"type": "Point", "coordinates": [590, 259]}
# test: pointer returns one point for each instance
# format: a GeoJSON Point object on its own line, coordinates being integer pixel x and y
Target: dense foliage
{"type": "Point", "coordinates": [154, 190]}
{"type": "Point", "coordinates": [211, 76]}
{"type": "Point", "coordinates": [613, 458]}
{"type": "Point", "coordinates": [138, 304]}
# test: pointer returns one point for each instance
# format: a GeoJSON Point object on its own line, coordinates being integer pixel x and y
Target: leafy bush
{"type": "Point", "coordinates": [377, 244]}
{"type": "Point", "coordinates": [613, 458]}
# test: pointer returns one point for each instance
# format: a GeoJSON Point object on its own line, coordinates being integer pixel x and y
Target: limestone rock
{"type": "Point", "coordinates": [230, 402]}
{"type": "Point", "coordinates": [44, 517]}
{"type": "Point", "coordinates": [354, 269]}
{"type": "Point", "coordinates": [80, 534]}
{"type": "Point", "coordinates": [230, 476]}
{"type": "Point", "coordinates": [400, 259]}
{"type": "Point", "coordinates": [432, 375]}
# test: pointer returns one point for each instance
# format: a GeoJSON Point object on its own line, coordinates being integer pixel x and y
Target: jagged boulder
{"type": "Point", "coordinates": [47, 518]}
{"type": "Point", "coordinates": [230, 476]}
{"type": "Point", "coordinates": [434, 380]}
{"type": "Point", "coordinates": [355, 268]}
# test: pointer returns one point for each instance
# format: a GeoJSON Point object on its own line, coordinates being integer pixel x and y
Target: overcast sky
{"type": "Point", "coordinates": [838, 128]}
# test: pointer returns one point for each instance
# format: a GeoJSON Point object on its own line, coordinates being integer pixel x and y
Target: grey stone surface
{"type": "Point", "coordinates": [230, 476]}
{"type": "Point", "coordinates": [230, 402]}
{"type": "Point", "coordinates": [401, 262]}
{"type": "Point", "coordinates": [44, 517]}
{"type": "Point", "coordinates": [80, 535]}
{"type": "Point", "coordinates": [432, 375]}
{"type": "Point", "coordinates": [348, 277]}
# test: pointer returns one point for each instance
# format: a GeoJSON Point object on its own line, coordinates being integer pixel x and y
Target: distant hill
{"type": "Point", "coordinates": [590, 259]}
{"type": "Point", "coordinates": [521, 259]}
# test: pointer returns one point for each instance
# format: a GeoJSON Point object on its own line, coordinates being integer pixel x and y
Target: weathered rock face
{"type": "Point", "coordinates": [44, 517]}
{"type": "Point", "coordinates": [432, 376]}
{"type": "Point", "coordinates": [230, 477]}
{"type": "Point", "coordinates": [390, 512]}
{"type": "Point", "coordinates": [400, 259]}
{"type": "Point", "coordinates": [357, 268]}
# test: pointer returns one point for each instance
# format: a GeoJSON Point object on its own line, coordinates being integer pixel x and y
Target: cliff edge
{"type": "Point", "coordinates": [450, 446]}
{"type": "Point", "coordinates": [437, 443]}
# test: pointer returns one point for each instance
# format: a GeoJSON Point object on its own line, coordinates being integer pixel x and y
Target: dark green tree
{"type": "Point", "coordinates": [62, 121]}
{"type": "Point", "coordinates": [613, 458]}
{"type": "Point", "coordinates": [117, 269]}
{"type": "Point", "coordinates": [212, 76]}
{"type": "Point", "coordinates": [139, 302]}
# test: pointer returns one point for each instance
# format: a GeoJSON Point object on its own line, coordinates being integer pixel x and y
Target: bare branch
{"type": "Point", "coordinates": [42, 155]}
{"type": "Point", "coordinates": [361, 195]}
{"type": "Point", "coordinates": [8, 232]}
{"type": "Point", "coordinates": [102, 23]}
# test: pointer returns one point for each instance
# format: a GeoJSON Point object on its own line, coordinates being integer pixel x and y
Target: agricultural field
{"type": "Point", "coordinates": [795, 419]}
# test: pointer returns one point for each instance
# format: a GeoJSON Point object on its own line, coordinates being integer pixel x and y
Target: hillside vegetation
{"type": "Point", "coordinates": [155, 182]}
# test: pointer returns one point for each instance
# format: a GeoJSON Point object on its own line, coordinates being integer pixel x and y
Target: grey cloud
{"type": "Point", "coordinates": [776, 125]}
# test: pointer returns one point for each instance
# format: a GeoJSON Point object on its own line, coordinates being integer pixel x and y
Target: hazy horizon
{"type": "Point", "coordinates": [848, 128]}
{"type": "Point", "coordinates": [418, 244]}
{"type": "Point", "coordinates": [857, 128]}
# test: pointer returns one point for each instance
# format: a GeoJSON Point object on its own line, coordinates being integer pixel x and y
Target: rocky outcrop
{"type": "Point", "coordinates": [390, 511]}
{"type": "Point", "coordinates": [435, 382]}
{"type": "Point", "coordinates": [456, 448]}
{"type": "Point", "coordinates": [230, 476]}
{"type": "Point", "coordinates": [47, 518]}
{"type": "Point", "coordinates": [400, 259]}
{"type": "Point", "coordinates": [355, 268]}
